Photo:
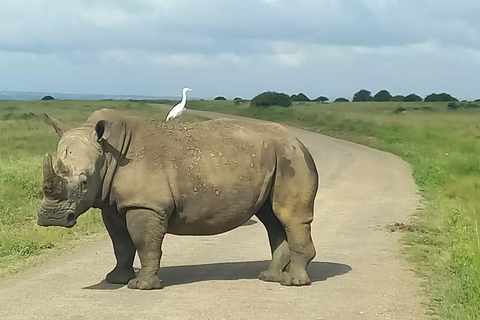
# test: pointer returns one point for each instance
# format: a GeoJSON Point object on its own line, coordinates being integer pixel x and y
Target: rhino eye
{"type": "Point", "coordinates": [83, 182]}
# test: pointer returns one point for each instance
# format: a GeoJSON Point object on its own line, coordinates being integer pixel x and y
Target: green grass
{"type": "Point", "coordinates": [24, 139]}
{"type": "Point", "coordinates": [443, 147]}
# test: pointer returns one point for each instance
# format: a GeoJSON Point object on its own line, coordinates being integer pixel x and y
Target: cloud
{"type": "Point", "coordinates": [184, 25]}
{"type": "Point", "coordinates": [285, 44]}
{"type": "Point", "coordinates": [179, 60]}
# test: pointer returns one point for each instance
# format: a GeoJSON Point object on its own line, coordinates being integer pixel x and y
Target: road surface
{"type": "Point", "coordinates": [358, 272]}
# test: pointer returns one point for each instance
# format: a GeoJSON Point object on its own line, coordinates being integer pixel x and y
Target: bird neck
{"type": "Point", "coordinates": [184, 96]}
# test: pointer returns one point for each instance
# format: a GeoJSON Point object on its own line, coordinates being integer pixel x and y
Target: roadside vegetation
{"type": "Point", "coordinates": [441, 140]}
{"type": "Point", "coordinates": [24, 139]}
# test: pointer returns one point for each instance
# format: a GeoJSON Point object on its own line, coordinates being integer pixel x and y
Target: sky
{"type": "Point", "coordinates": [241, 48]}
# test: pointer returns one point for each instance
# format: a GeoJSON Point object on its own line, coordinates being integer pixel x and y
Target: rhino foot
{"type": "Point", "coordinates": [270, 276]}
{"type": "Point", "coordinates": [120, 276]}
{"type": "Point", "coordinates": [145, 283]}
{"type": "Point", "coordinates": [298, 277]}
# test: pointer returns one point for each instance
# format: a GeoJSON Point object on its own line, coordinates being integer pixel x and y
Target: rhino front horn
{"type": "Point", "coordinates": [48, 166]}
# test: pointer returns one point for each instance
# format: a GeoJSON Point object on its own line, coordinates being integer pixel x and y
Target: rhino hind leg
{"type": "Point", "coordinates": [122, 246]}
{"type": "Point", "coordinates": [278, 244]}
{"type": "Point", "coordinates": [293, 197]}
{"type": "Point", "coordinates": [302, 253]}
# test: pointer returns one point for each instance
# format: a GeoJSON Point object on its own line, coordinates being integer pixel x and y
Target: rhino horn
{"type": "Point", "coordinates": [52, 183]}
{"type": "Point", "coordinates": [62, 168]}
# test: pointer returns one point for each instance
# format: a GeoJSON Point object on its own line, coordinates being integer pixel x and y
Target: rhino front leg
{"type": "Point", "coordinates": [147, 230]}
{"type": "Point", "coordinates": [122, 246]}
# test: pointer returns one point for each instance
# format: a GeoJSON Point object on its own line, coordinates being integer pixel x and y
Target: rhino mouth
{"type": "Point", "coordinates": [67, 221]}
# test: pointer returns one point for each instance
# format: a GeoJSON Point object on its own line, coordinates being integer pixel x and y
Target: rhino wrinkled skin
{"type": "Point", "coordinates": [205, 178]}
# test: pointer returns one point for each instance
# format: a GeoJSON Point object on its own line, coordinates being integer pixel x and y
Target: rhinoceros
{"type": "Point", "coordinates": [151, 178]}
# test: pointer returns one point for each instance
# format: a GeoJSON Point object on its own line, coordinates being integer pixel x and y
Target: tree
{"type": "Point", "coordinates": [453, 106]}
{"type": "Point", "coordinates": [48, 98]}
{"type": "Point", "coordinates": [220, 98]}
{"type": "Point", "coordinates": [321, 99]}
{"type": "Point", "coordinates": [271, 98]}
{"type": "Point", "coordinates": [341, 100]}
{"type": "Point", "coordinates": [399, 98]}
{"type": "Point", "coordinates": [237, 101]}
{"type": "Point", "coordinates": [434, 97]}
{"type": "Point", "coordinates": [299, 97]}
{"type": "Point", "coordinates": [413, 98]}
{"type": "Point", "coordinates": [382, 95]}
{"type": "Point", "coordinates": [362, 95]}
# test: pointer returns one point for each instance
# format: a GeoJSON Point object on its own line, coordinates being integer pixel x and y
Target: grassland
{"type": "Point", "coordinates": [443, 147]}
{"type": "Point", "coordinates": [24, 139]}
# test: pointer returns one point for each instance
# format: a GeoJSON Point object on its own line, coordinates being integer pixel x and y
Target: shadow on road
{"type": "Point", "coordinates": [178, 275]}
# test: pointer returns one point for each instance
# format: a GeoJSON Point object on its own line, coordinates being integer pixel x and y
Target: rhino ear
{"type": "Point", "coordinates": [103, 129]}
{"type": "Point", "coordinates": [57, 125]}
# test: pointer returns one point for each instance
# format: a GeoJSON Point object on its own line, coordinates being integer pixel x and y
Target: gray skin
{"type": "Point", "coordinates": [203, 178]}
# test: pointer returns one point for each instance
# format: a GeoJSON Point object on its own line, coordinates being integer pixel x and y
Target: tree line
{"type": "Point", "coordinates": [271, 98]}
{"type": "Point", "coordinates": [275, 98]}
{"type": "Point", "coordinates": [381, 96]}
{"type": "Point", "coordinates": [385, 96]}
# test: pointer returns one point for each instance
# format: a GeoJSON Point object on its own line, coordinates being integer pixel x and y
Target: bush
{"type": "Point", "coordinates": [271, 98]}
{"type": "Point", "coordinates": [399, 98]}
{"type": "Point", "coordinates": [434, 97]}
{"type": "Point", "coordinates": [382, 95]}
{"type": "Point", "coordinates": [470, 105]}
{"type": "Point", "coordinates": [466, 105]}
{"type": "Point", "coordinates": [413, 98]}
{"type": "Point", "coordinates": [299, 97]}
{"type": "Point", "coordinates": [341, 100]}
{"type": "Point", "coordinates": [24, 116]}
{"type": "Point", "coordinates": [321, 99]}
{"type": "Point", "coordinates": [453, 106]}
{"type": "Point", "coordinates": [237, 101]}
{"type": "Point", "coordinates": [400, 110]}
{"type": "Point", "coordinates": [362, 95]}
{"type": "Point", "coordinates": [220, 98]}
{"type": "Point", "coordinates": [48, 98]}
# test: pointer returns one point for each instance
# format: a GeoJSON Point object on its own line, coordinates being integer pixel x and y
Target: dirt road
{"type": "Point", "coordinates": [358, 272]}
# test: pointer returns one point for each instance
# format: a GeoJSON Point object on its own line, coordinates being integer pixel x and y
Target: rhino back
{"type": "Point", "coordinates": [210, 174]}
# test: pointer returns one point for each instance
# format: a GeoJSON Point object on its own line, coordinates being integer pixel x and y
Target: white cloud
{"type": "Point", "coordinates": [179, 60]}
{"type": "Point", "coordinates": [404, 45]}
{"type": "Point", "coordinates": [291, 60]}
{"type": "Point", "coordinates": [104, 17]}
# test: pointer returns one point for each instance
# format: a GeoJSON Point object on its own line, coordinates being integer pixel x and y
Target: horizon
{"type": "Point", "coordinates": [41, 94]}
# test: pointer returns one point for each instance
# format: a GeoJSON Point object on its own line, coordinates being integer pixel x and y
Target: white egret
{"type": "Point", "coordinates": [177, 110]}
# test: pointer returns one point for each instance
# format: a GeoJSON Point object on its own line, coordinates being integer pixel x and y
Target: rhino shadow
{"type": "Point", "coordinates": [178, 275]}
{"type": "Point", "coordinates": [249, 223]}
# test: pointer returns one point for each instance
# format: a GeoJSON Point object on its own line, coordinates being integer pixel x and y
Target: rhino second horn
{"type": "Point", "coordinates": [62, 168]}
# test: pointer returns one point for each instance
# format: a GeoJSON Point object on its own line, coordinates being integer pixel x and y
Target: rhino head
{"type": "Point", "coordinates": [73, 181]}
